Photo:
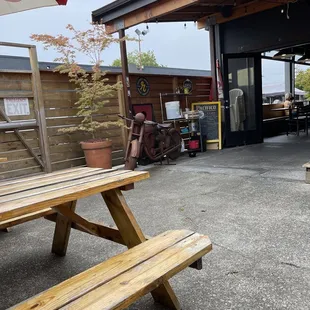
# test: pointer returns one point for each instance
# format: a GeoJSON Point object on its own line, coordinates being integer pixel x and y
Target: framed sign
{"type": "Point", "coordinates": [210, 121]}
{"type": "Point", "coordinates": [188, 84]}
{"type": "Point", "coordinates": [143, 86]}
{"type": "Point", "coordinates": [16, 106]}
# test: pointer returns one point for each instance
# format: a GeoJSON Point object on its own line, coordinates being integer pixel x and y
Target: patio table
{"type": "Point", "coordinates": [54, 197]}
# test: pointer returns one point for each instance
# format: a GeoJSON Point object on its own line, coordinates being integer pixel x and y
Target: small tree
{"type": "Point", "coordinates": [303, 81]}
{"type": "Point", "coordinates": [147, 59]}
{"type": "Point", "coordinates": [92, 87]}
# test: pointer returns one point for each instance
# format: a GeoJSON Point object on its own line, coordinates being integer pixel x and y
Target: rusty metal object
{"type": "Point", "coordinates": [154, 140]}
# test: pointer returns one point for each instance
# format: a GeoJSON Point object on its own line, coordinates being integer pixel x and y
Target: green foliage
{"type": "Point", "coordinates": [302, 81]}
{"type": "Point", "coordinates": [92, 87]}
{"type": "Point", "coordinates": [148, 59]}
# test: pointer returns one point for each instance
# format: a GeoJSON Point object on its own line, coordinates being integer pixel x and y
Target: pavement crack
{"type": "Point", "coordinates": [290, 264]}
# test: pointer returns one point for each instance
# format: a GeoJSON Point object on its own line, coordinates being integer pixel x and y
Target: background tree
{"type": "Point", "coordinates": [303, 81]}
{"type": "Point", "coordinates": [148, 59]}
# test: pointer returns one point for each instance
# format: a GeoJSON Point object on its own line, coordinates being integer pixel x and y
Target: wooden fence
{"type": "Point", "coordinates": [59, 97]}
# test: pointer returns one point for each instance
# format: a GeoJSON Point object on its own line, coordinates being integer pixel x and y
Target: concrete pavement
{"type": "Point", "coordinates": [253, 203]}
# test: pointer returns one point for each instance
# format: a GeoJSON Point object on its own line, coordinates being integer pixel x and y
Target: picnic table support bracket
{"type": "Point", "coordinates": [132, 235]}
{"type": "Point", "coordinates": [62, 231]}
{"type": "Point", "coordinates": [101, 231]}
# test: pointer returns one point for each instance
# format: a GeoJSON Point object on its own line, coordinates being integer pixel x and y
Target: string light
{"type": "Point", "coordinates": [185, 26]}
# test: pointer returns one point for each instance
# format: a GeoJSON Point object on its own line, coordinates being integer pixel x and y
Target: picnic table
{"type": "Point", "coordinates": [116, 283]}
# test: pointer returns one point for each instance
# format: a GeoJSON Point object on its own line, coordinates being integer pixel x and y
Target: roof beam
{"type": "Point", "coordinates": [150, 12]}
{"type": "Point", "coordinates": [241, 11]}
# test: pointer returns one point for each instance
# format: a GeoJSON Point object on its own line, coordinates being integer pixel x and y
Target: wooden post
{"type": "Point", "coordinates": [125, 73]}
{"type": "Point", "coordinates": [213, 63]}
{"type": "Point", "coordinates": [62, 231]}
{"type": "Point", "coordinates": [122, 111]}
{"type": "Point", "coordinates": [39, 109]}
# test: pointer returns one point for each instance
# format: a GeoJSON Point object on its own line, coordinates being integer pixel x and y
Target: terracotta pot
{"type": "Point", "coordinates": [98, 154]}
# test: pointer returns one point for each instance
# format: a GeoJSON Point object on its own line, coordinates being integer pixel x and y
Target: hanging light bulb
{"type": "Point", "coordinates": [185, 26]}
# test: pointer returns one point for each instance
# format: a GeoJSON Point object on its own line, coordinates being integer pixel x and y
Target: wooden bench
{"type": "Point", "coordinates": [123, 279]}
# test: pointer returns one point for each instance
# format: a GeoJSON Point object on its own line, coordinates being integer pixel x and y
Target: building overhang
{"type": "Point", "coordinates": [123, 14]}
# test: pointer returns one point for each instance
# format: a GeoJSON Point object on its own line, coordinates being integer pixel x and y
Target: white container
{"type": "Point", "coordinates": [173, 109]}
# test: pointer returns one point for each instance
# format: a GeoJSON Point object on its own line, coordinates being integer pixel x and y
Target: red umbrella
{"type": "Point", "coordinates": [13, 6]}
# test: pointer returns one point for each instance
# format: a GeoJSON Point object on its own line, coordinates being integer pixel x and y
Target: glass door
{"type": "Point", "coordinates": [243, 99]}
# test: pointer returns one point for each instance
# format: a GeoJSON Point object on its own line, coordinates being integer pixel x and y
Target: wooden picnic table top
{"type": "Point", "coordinates": [27, 195]}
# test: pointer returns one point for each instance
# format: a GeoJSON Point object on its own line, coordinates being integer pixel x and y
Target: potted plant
{"type": "Point", "coordinates": [91, 86]}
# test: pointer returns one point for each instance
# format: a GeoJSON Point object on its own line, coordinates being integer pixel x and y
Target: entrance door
{"type": "Point", "coordinates": [243, 99]}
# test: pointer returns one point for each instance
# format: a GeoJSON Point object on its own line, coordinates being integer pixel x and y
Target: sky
{"type": "Point", "coordinates": [174, 45]}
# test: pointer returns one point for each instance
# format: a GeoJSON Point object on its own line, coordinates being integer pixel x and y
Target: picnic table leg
{"type": "Point", "coordinates": [62, 232]}
{"type": "Point", "coordinates": [132, 236]}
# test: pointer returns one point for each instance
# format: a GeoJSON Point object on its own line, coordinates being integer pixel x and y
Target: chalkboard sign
{"type": "Point", "coordinates": [210, 121]}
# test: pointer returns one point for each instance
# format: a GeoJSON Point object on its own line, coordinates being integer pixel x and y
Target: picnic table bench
{"type": "Point", "coordinates": [116, 283]}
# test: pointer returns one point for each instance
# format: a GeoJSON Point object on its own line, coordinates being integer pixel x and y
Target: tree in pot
{"type": "Point", "coordinates": [91, 86]}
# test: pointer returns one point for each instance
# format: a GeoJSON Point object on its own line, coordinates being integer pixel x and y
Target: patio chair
{"type": "Point", "coordinates": [299, 121]}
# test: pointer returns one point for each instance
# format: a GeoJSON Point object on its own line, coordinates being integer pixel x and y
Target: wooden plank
{"type": "Point", "coordinates": [64, 121]}
{"type": "Point", "coordinates": [241, 11]}
{"type": "Point", "coordinates": [16, 94]}
{"type": "Point", "coordinates": [40, 176]}
{"type": "Point", "coordinates": [10, 44]}
{"type": "Point", "coordinates": [122, 110]}
{"type": "Point", "coordinates": [128, 287]}
{"type": "Point", "coordinates": [101, 231]}
{"type": "Point", "coordinates": [18, 164]}
{"type": "Point", "coordinates": [4, 175]}
{"type": "Point", "coordinates": [73, 111]}
{"type": "Point", "coordinates": [78, 162]}
{"type": "Point", "coordinates": [86, 281]}
{"type": "Point", "coordinates": [39, 107]}
{"type": "Point", "coordinates": [18, 154]}
{"type": "Point", "coordinates": [50, 199]}
{"type": "Point", "coordinates": [3, 159]}
{"type": "Point", "coordinates": [36, 189]}
{"type": "Point", "coordinates": [123, 218]}
{"type": "Point", "coordinates": [132, 236]}
{"type": "Point", "coordinates": [50, 179]}
{"type": "Point", "coordinates": [62, 231]}
{"type": "Point", "coordinates": [22, 140]}
{"type": "Point", "coordinates": [15, 85]}
{"type": "Point", "coordinates": [78, 137]}
{"type": "Point", "coordinates": [17, 145]}
{"type": "Point", "coordinates": [28, 134]}
{"type": "Point", "coordinates": [26, 218]}
{"type": "Point", "coordinates": [67, 101]}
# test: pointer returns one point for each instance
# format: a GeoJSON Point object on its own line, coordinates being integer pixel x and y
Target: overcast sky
{"type": "Point", "coordinates": [174, 46]}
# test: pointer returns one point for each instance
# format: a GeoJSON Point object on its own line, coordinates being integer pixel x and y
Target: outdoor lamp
{"type": "Point", "coordinates": [305, 58]}
{"type": "Point", "coordinates": [284, 54]}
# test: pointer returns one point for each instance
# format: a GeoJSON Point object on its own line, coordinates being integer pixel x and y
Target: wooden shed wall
{"type": "Point", "coordinates": [59, 99]}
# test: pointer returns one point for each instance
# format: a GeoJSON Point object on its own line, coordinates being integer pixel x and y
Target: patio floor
{"type": "Point", "coordinates": [253, 203]}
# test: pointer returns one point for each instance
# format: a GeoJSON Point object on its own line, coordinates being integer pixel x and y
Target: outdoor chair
{"type": "Point", "coordinates": [299, 121]}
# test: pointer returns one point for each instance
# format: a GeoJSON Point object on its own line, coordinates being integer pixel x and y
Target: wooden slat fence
{"type": "Point", "coordinates": [59, 97]}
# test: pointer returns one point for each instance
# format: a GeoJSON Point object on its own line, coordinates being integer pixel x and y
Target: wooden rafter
{"type": "Point", "coordinates": [241, 11]}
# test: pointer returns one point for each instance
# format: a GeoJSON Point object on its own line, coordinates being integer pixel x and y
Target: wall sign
{"type": "Point", "coordinates": [143, 86]}
{"type": "Point", "coordinates": [188, 84]}
{"type": "Point", "coordinates": [210, 121]}
{"type": "Point", "coordinates": [16, 106]}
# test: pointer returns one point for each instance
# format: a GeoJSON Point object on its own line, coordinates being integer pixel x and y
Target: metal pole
{"type": "Point", "coordinates": [140, 55]}
{"type": "Point", "coordinates": [125, 74]}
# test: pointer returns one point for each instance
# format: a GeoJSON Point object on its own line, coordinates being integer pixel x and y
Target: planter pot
{"type": "Point", "coordinates": [98, 154]}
